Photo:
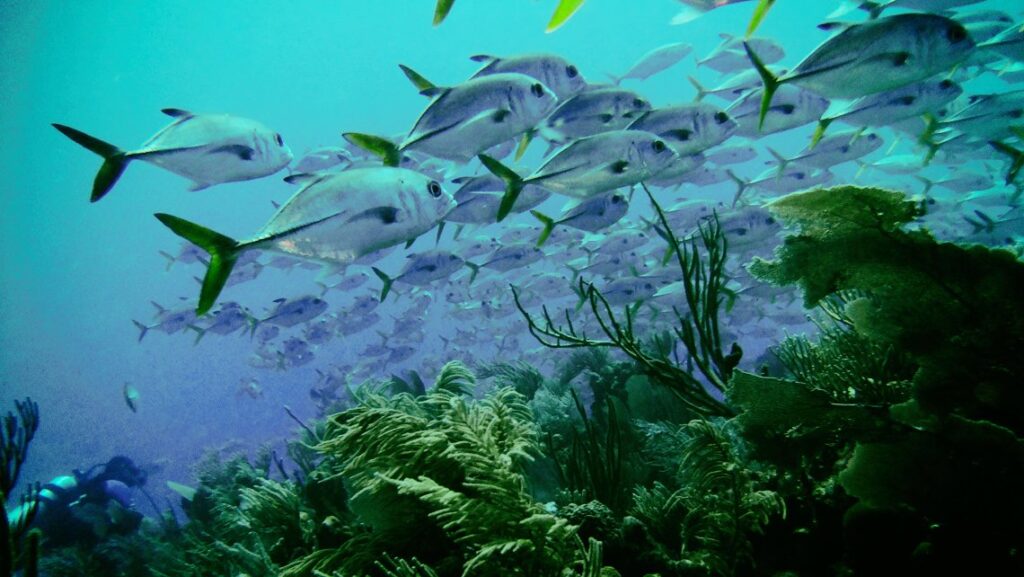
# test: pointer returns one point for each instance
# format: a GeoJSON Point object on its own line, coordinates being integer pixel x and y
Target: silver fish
{"type": "Point", "coordinates": [655, 61]}
{"type": "Point", "coordinates": [592, 112]}
{"type": "Point", "coordinates": [874, 56]}
{"type": "Point", "coordinates": [207, 149]}
{"type": "Point", "coordinates": [421, 269]}
{"type": "Point", "coordinates": [561, 77]}
{"type": "Point", "coordinates": [335, 219]}
{"type": "Point", "coordinates": [591, 214]}
{"type": "Point", "coordinates": [590, 166]}
{"type": "Point", "coordinates": [688, 128]}
{"type": "Point", "coordinates": [467, 119]}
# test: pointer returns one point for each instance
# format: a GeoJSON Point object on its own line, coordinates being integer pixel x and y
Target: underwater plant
{"type": "Point", "coordinates": [18, 545]}
{"type": "Point", "coordinates": [701, 261]}
{"type": "Point", "coordinates": [914, 392]}
{"type": "Point", "coordinates": [446, 462]}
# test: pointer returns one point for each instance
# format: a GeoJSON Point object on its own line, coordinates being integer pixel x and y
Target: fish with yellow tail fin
{"type": "Point", "coordinates": [873, 57]}
{"type": "Point", "coordinates": [336, 218]}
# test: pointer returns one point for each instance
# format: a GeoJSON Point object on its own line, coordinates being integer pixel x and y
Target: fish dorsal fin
{"type": "Point", "coordinates": [176, 112]}
{"type": "Point", "coordinates": [433, 91]}
{"type": "Point", "coordinates": [483, 58]}
{"type": "Point", "coordinates": [417, 79]}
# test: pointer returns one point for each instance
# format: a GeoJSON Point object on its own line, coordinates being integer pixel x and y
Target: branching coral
{"type": "Point", "coordinates": [701, 260]}
{"type": "Point", "coordinates": [461, 464]}
{"type": "Point", "coordinates": [16, 433]}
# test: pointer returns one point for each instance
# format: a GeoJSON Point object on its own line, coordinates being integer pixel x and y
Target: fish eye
{"type": "Point", "coordinates": [280, 141]}
{"type": "Point", "coordinates": [616, 199]}
{"type": "Point", "coordinates": [434, 189]}
{"type": "Point", "coordinates": [956, 33]}
{"type": "Point", "coordinates": [787, 108]}
{"type": "Point", "coordinates": [571, 71]}
{"type": "Point", "coordinates": [946, 84]}
{"type": "Point", "coordinates": [639, 103]}
{"type": "Point", "coordinates": [740, 231]}
{"type": "Point", "coordinates": [721, 117]}
{"type": "Point", "coordinates": [1016, 113]}
{"type": "Point", "coordinates": [769, 221]}
{"type": "Point", "coordinates": [537, 89]}
{"type": "Point", "coordinates": [658, 146]}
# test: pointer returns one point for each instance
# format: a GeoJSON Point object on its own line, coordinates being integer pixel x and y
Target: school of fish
{"type": "Point", "coordinates": [885, 100]}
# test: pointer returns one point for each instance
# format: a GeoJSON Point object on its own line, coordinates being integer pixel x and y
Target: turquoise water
{"type": "Point", "coordinates": [75, 274]}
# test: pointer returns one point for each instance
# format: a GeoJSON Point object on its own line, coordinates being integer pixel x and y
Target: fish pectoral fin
{"type": "Point", "coordinates": [500, 115]}
{"type": "Point", "coordinates": [197, 186]}
{"type": "Point", "coordinates": [242, 151]}
{"type": "Point", "coordinates": [619, 166]}
{"type": "Point", "coordinates": [385, 214]}
{"type": "Point", "coordinates": [897, 59]}
{"type": "Point", "coordinates": [681, 134]}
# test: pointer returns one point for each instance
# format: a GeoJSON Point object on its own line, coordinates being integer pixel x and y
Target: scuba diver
{"type": "Point", "coordinates": [87, 507]}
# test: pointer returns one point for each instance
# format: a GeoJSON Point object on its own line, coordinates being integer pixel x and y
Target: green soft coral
{"type": "Point", "coordinates": [956, 311]}
{"type": "Point", "coordinates": [447, 461]}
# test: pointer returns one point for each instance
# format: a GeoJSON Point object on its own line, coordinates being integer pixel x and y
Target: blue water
{"type": "Point", "coordinates": [75, 274]}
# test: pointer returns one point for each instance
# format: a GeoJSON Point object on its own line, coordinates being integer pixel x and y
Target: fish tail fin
{"type": "Point", "coordinates": [771, 83]}
{"type": "Point", "coordinates": [741, 185]}
{"type": "Point", "coordinates": [384, 278]}
{"type": "Point", "coordinates": [575, 273]}
{"type": "Point", "coordinates": [200, 333]}
{"type": "Point", "coordinates": [524, 143]}
{"type": "Point", "coordinates": [701, 90]}
{"type": "Point", "coordinates": [475, 268]}
{"type": "Point", "coordinates": [687, 14]}
{"type": "Point", "coordinates": [861, 167]}
{"type": "Point", "coordinates": [819, 132]}
{"type": "Point", "coordinates": [562, 13]}
{"type": "Point", "coordinates": [223, 252]}
{"type": "Point", "coordinates": [417, 79]}
{"type": "Point", "coordinates": [441, 10]}
{"type": "Point", "coordinates": [1016, 159]}
{"type": "Point", "coordinates": [170, 258]}
{"type": "Point", "coordinates": [513, 184]}
{"type": "Point", "coordinates": [143, 329]}
{"type": "Point", "coordinates": [440, 230]}
{"type": "Point", "coordinates": [114, 160]}
{"type": "Point", "coordinates": [782, 160]}
{"type": "Point", "coordinates": [928, 184]}
{"type": "Point", "coordinates": [549, 225]}
{"type": "Point", "coordinates": [376, 145]}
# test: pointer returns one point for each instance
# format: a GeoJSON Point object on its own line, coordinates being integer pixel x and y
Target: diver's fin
{"type": "Point", "coordinates": [771, 83]}
{"type": "Point", "coordinates": [114, 160]}
{"type": "Point", "coordinates": [549, 225]}
{"type": "Point", "coordinates": [513, 184]}
{"type": "Point", "coordinates": [223, 252]}
{"type": "Point", "coordinates": [381, 147]}
{"type": "Point", "coordinates": [384, 290]}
